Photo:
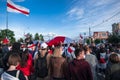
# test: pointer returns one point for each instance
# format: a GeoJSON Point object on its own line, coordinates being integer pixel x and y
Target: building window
{"type": "Point", "coordinates": [96, 35]}
{"type": "Point", "coordinates": [99, 35]}
{"type": "Point", "coordinates": [103, 34]}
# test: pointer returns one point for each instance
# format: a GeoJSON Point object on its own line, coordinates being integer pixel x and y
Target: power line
{"type": "Point", "coordinates": [106, 20]}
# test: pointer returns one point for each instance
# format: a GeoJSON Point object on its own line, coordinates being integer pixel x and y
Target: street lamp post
{"type": "Point", "coordinates": [90, 35]}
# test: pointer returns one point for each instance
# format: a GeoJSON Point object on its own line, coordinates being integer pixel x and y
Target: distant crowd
{"type": "Point", "coordinates": [73, 61]}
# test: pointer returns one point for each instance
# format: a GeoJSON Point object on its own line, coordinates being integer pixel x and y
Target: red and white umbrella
{"type": "Point", "coordinates": [58, 39]}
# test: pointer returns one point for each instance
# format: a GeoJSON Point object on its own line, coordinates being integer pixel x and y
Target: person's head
{"type": "Point", "coordinates": [114, 58]}
{"type": "Point", "coordinates": [27, 40]}
{"type": "Point", "coordinates": [102, 50]}
{"type": "Point", "coordinates": [16, 47]}
{"type": "Point", "coordinates": [79, 53]}
{"type": "Point", "coordinates": [58, 50]}
{"type": "Point", "coordinates": [86, 48]}
{"type": "Point", "coordinates": [14, 59]}
{"type": "Point", "coordinates": [71, 44]}
{"type": "Point", "coordinates": [93, 44]}
{"type": "Point", "coordinates": [43, 47]}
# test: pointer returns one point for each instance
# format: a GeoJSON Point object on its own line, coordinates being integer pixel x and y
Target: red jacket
{"type": "Point", "coordinates": [28, 69]}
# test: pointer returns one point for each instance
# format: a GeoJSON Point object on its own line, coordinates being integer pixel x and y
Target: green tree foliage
{"type": "Point", "coordinates": [97, 41]}
{"type": "Point", "coordinates": [36, 37]}
{"type": "Point", "coordinates": [114, 39]}
{"type": "Point", "coordinates": [88, 41]}
{"type": "Point", "coordinates": [7, 33]}
{"type": "Point", "coordinates": [21, 40]}
{"type": "Point", "coordinates": [41, 37]}
{"type": "Point", "coordinates": [10, 35]}
{"type": "Point", "coordinates": [31, 37]}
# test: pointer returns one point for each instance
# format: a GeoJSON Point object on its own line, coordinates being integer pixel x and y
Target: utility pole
{"type": "Point", "coordinates": [90, 35]}
{"type": "Point", "coordinates": [89, 31]}
{"type": "Point", "coordinates": [84, 38]}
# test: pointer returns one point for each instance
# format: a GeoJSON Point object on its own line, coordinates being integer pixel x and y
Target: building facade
{"type": "Point", "coordinates": [116, 28]}
{"type": "Point", "coordinates": [103, 35]}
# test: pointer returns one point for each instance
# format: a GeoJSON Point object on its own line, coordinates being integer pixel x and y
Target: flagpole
{"type": "Point", "coordinates": [6, 22]}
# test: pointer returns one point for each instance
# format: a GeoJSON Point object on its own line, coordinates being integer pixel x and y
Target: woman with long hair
{"type": "Point", "coordinates": [26, 65]}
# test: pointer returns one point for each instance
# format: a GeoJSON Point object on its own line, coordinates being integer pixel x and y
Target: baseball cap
{"type": "Point", "coordinates": [43, 45]}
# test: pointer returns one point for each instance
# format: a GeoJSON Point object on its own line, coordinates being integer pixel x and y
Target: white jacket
{"type": "Point", "coordinates": [6, 76]}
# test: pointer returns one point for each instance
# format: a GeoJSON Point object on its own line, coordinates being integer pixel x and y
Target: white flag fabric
{"type": "Point", "coordinates": [11, 7]}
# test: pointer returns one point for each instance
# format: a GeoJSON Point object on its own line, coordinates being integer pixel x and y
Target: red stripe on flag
{"type": "Point", "coordinates": [70, 50]}
{"type": "Point", "coordinates": [13, 7]}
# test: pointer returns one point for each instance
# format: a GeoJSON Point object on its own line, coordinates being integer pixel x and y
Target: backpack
{"type": "Point", "coordinates": [41, 66]}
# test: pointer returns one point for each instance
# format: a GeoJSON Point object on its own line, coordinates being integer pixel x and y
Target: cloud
{"type": "Point", "coordinates": [2, 27]}
{"type": "Point", "coordinates": [109, 14]}
{"type": "Point", "coordinates": [18, 0]}
{"type": "Point", "coordinates": [96, 3]}
{"type": "Point", "coordinates": [18, 31]}
{"type": "Point", "coordinates": [99, 13]}
{"type": "Point", "coordinates": [75, 13]}
{"type": "Point", "coordinates": [101, 22]}
{"type": "Point", "coordinates": [101, 2]}
{"type": "Point", "coordinates": [14, 0]}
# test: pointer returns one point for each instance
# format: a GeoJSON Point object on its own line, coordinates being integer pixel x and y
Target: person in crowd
{"type": "Point", "coordinates": [5, 48]}
{"type": "Point", "coordinates": [10, 46]}
{"type": "Point", "coordinates": [79, 68]}
{"type": "Point", "coordinates": [15, 49]}
{"type": "Point", "coordinates": [12, 73]}
{"type": "Point", "coordinates": [103, 60]}
{"type": "Point", "coordinates": [113, 70]}
{"type": "Point", "coordinates": [93, 49]}
{"type": "Point", "coordinates": [57, 64]}
{"type": "Point", "coordinates": [70, 51]}
{"type": "Point", "coordinates": [92, 60]}
{"type": "Point", "coordinates": [118, 48]}
{"type": "Point", "coordinates": [35, 50]}
{"type": "Point", "coordinates": [32, 49]}
{"type": "Point", "coordinates": [1, 60]}
{"type": "Point", "coordinates": [26, 65]}
{"type": "Point", "coordinates": [1, 50]}
{"type": "Point", "coordinates": [41, 62]}
{"type": "Point", "coordinates": [5, 51]}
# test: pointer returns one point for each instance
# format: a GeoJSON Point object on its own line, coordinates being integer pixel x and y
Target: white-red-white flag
{"type": "Point", "coordinates": [11, 7]}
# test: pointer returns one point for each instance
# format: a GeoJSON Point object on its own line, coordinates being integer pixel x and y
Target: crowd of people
{"type": "Point", "coordinates": [74, 61]}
